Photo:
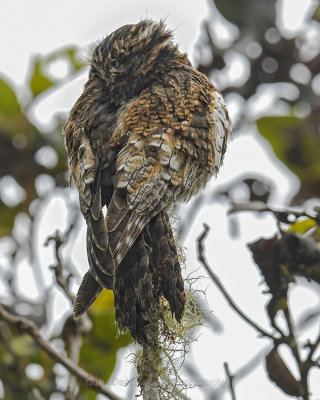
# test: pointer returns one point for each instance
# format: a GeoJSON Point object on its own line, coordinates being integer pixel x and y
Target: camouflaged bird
{"type": "Point", "coordinates": [148, 130]}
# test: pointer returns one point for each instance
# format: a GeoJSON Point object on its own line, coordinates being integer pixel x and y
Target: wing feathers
{"type": "Point", "coordinates": [99, 254]}
{"type": "Point", "coordinates": [117, 210]}
{"type": "Point", "coordinates": [134, 226]}
{"type": "Point", "coordinates": [95, 208]}
{"type": "Point", "coordinates": [98, 232]}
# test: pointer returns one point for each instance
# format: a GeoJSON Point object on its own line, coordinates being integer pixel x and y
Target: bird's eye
{"type": "Point", "coordinates": [95, 72]}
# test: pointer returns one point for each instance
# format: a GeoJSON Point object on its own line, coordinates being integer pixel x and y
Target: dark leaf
{"type": "Point", "coordinates": [280, 374]}
{"type": "Point", "coordinates": [248, 15]}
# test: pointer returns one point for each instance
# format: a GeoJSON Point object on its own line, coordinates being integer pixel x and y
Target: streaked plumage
{"type": "Point", "coordinates": [147, 131]}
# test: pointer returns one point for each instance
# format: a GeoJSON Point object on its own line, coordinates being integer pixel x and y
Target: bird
{"type": "Point", "coordinates": [148, 131]}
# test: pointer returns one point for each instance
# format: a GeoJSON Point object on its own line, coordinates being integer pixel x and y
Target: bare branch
{"type": "Point", "coordinates": [214, 277]}
{"type": "Point", "coordinates": [303, 366]}
{"type": "Point", "coordinates": [34, 260]}
{"type": "Point", "coordinates": [281, 215]}
{"type": "Point", "coordinates": [62, 280]}
{"type": "Point", "coordinates": [181, 395]}
{"type": "Point", "coordinates": [230, 379]}
{"type": "Point", "coordinates": [312, 348]}
{"type": "Point", "coordinates": [37, 394]}
{"type": "Point", "coordinates": [26, 326]}
{"type": "Point", "coordinates": [75, 346]}
{"type": "Point", "coordinates": [62, 273]}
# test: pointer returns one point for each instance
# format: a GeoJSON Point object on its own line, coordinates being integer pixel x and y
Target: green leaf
{"type": "Point", "coordinates": [274, 128]}
{"type": "Point", "coordinates": [295, 142]}
{"type": "Point", "coordinates": [39, 82]}
{"type": "Point", "coordinates": [316, 14]}
{"type": "Point", "coordinates": [72, 54]}
{"type": "Point", "coordinates": [69, 53]}
{"type": "Point", "coordinates": [99, 349]}
{"type": "Point", "coordinates": [9, 105]}
{"type": "Point", "coordinates": [103, 303]}
{"type": "Point", "coordinates": [22, 345]}
{"type": "Point", "coordinates": [302, 226]}
{"type": "Point", "coordinates": [7, 216]}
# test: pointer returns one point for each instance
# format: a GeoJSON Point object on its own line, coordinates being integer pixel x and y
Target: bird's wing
{"type": "Point", "coordinates": [85, 176]}
{"type": "Point", "coordinates": [82, 167]}
{"type": "Point", "coordinates": [168, 155]}
{"type": "Point", "coordinates": [145, 184]}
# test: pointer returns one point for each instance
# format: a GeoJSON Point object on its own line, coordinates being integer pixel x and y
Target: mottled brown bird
{"type": "Point", "coordinates": [148, 130]}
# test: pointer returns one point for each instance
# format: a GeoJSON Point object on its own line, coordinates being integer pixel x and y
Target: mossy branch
{"type": "Point", "coordinates": [150, 361]}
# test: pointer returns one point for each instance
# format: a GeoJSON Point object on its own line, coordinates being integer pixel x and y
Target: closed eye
{"type": "Point", "coordinates": [133, 62]}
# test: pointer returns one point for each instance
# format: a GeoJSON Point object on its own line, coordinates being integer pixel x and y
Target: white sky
{"type": "Point", "coordinates": [39, 27]}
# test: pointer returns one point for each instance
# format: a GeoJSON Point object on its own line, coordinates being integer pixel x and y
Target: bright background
{"type": "Point", "coordinates": [39, 27]}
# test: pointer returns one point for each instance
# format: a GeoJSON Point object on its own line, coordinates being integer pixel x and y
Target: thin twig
{"type": "Point", "coordinates": [26, 326]}
{"type": "Point", "coordinates": [61, 279]}
{"type": "Point", "coordinates": [214, 277]}
{"type": "Point", "coordinates": [293, 346]}
{"type": "Point", "coordinates": [230, 379]}
{"type": "Point", "coordinates": [281, 214]}
{"type": "Point", "coordinates": [75, 347]}
{"type": "Point", "coordinates": [37, 271]}
{"type": "Point", "coordinates": [60, 239]}
{"type": "Point", "coordinates": [181, 395]}
{"type": "Point", "coordinates": [312, 348]}
{"type": "Point", "coordinates": [37, 394]}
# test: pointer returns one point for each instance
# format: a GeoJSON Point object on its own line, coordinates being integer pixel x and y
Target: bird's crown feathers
{"type": "Point", "coordinates": [132, 50]}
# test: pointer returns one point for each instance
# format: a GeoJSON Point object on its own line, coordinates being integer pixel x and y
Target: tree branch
{"type": "Point", "coordinates": [293, 346]}
{"type": "Point", "coordinates": [62, 280]}
{"type": "Point", "coordinates": [214, 277]}
{"type": "Point", "coordinates": [230, 379]}
{"type": "Point", "coordinates": [26, 326]}
{"type": "Point", "coordinates": [75, 343]}
{"type": "Point", "coordinates": [148, 367]}
{"type": "Point", "coordinates": [281, 215]}
{"type": "Point", "coordinates": [312, 348]}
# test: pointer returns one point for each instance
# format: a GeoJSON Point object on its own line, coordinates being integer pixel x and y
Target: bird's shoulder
{"type": "Point", "coordinates": [172, 100]}
{"type": "Point", "coordinates": [86, 139]}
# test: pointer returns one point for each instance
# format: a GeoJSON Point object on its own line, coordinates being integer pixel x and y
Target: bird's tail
{"type": "Point", "coordinates": [150, 269]}
{"type": "Point", "coordinates": [167, 272]}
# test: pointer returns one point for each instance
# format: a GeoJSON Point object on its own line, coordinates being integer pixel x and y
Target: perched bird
{"type": "Point", "coordinates": [148, 130]}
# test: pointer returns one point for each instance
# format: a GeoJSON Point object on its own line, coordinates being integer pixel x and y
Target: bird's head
{"type": "Point", "coordinates": [134, 55]}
